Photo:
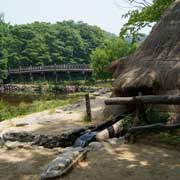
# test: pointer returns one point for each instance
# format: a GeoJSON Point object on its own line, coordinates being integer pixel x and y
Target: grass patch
{"type": "Point", "coordinates": [170, 138]}
{"type": "Point", "coordinates": [7, 111]}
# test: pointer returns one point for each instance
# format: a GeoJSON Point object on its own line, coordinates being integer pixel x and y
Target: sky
{"type": "Point", "coordinates": [106, 14]}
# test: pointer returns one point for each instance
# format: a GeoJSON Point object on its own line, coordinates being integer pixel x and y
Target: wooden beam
{"type": "Point", "coordinates": [150, 99]}
{"type": "Point", "coordinates": [140, 130]}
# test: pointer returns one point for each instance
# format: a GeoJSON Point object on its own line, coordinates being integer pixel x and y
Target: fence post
{"type": "Point", "coordinates": [138, 111]}
{"type": "Point", "coordinates": [88, 107]}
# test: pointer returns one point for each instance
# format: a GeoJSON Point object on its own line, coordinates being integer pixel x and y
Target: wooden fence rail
{"type": "Point", "coordinates": [139, 102]}
{"type": "Point", "coordinates": [151, 99]}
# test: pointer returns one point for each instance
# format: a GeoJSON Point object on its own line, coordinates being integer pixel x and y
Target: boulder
{"type": "Point", "coordinates": [95, 145]}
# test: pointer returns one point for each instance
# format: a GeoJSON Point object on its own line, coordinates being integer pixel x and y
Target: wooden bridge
{"type": "Point", "coordinates": [54, 72]}
{"type": "Point", "coordinates": [52, 68]}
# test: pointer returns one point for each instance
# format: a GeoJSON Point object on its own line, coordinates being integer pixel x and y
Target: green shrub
{"type": "Point", "coordinates": [127, 123]}
{"type": "Point", "coordinates": [154, 116]}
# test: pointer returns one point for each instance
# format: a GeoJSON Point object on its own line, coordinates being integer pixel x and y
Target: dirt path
{"type": "Point", "coordinates": [24, 164]}
{"type": "Point", "coordinates": [129, 162]}
{"type": "Point", "coordinates": [125, 162]}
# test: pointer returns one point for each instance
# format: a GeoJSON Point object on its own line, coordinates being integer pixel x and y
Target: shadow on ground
{"type": "Point", "coordinates": [24, 164]}
{"type": "Point", "coordinates": [129, 162]}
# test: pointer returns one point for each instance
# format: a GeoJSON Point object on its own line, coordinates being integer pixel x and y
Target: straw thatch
{"type": "Point", "coordinates": [155, 67]}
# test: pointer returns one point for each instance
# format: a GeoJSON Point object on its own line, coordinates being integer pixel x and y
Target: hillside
{"type": "Point", "coordinates": [41, 43]}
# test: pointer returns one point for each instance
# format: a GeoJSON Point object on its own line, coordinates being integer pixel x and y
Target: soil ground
{"type": "Point", "coordinates": [129, 162]}
{"type": "Point", "coordinates": [120, 161]}
{"type": "Point", "coordinates": [125, 162]}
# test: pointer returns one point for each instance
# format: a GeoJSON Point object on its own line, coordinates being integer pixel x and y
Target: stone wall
{"type": "Point", "coordinates": [17, 88]}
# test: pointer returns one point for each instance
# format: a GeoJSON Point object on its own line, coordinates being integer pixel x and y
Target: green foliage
{"type": "Point", "coordinates": [99, 61]}
{"type": "Point", "coordinates": [3, 52]}
{"type": "Point", "coordinates": [127, 123]}
{"type": "Point", "coordinates": [3, 64]}
{"type": "Point", "coordinates": [170, 138]}
{"type": "Point", "coordinates": [39, 44]}
{"type": "Point", "coordinates": [112, 50]}
{"type": "Point", "coordinates": [4, 113]}
{"type": "Point", "coordinates": [144, 16]}
{"type": "Point", "coordinates": [154, 116]}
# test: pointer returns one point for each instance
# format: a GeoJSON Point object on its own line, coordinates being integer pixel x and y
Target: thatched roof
{"type": "Point", "coordinates": [157, 61]}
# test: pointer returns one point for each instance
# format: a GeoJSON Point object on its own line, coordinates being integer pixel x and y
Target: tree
{"type": "Point", "coordinates": [144, 13]}
{"type": "Point", "coordinates": [3, 52]}
{"type": "Point", "coordinates": [3, 64]}
{"type": "Point", "coordinates": [42, 43]}
{"type": "Point", "coordinates": [113, 50]}
{"type": "Point", "coordinates": [99, 61]}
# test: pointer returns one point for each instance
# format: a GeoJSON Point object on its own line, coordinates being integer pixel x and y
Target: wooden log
{"type": "Point", "coordinates": [153, 127]}
{"type": "Point", "coordinates": [106, 124]}
{"type": "Point", "coordinates": [110, 132]}
{"type": "Point", "coordinates": [133, 132]}
{"type": "Point", "coordinates": [119, 101]}
{"type": "Point", "coordinates": [150, 99]}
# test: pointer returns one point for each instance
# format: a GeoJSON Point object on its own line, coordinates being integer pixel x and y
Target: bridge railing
{"type": "Point", "coordinates": [79, 67]}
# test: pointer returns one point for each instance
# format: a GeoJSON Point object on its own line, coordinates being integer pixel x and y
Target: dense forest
{"type": "Point", "coordinates": [66, 42]}
{"type": "Point", "coordinates": [41, 43]}
{"type": "Point", "coordinates": [45, 43]}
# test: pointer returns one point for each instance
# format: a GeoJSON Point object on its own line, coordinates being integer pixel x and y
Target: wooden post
{"type": "Point", "coordinates": [88, 107]}
{"type": "Point", "coordinates": [138, 111]}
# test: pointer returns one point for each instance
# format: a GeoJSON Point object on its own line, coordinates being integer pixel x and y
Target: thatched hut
{"type": "Point", "coordinates": [155, 67]}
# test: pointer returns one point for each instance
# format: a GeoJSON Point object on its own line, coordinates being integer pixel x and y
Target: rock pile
{"type": "Point", "coordinates": [10, 88]}
{"type": "Point", "coordinates": [47, 141]}
{"type": "Point", "coordinates": [13, 88]}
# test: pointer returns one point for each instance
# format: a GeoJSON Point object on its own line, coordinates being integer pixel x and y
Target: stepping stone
{"type": "Point", "coordinates": [21, 124]}
{"type": "Point", "coordinates": [95, 145]}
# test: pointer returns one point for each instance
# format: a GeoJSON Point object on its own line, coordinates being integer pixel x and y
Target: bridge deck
{"type": "Point", "coordinates": [52, 68]}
